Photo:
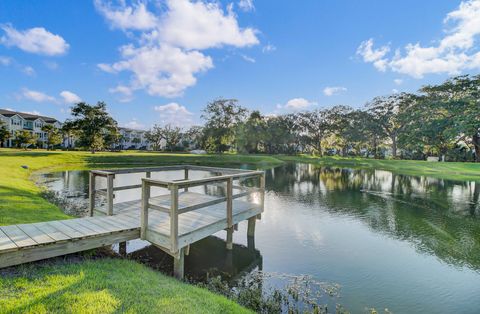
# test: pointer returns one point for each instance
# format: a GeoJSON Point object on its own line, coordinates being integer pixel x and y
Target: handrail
{"type": "Point", "coordinates": [175, 210]}
{"type": "Point", "coordinates": [170, 168]}
{"type": "Point", "coordinates": [226, 176]}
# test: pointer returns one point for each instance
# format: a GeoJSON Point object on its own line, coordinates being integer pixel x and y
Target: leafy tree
{"type": "Point", "coordinates": [337, 123]}
{"type": "Point", "coordinates": [458, 99]}
{"type": "Point", "coordinates": [172, 136]}
{"type": "Point", "coordinates": [222, 117]}
{"type": "Point", "coordinates": [282, 134]}
{"type": "Point", "coordinates": [25, 138]}
{"type": "Point", "coordinates": [315, 127]}
{"type": "Point", "coordinates": [155, 136]}
{"type": "Point", "coordinates": [111, 138]}
{"type": "Point", "coordinates": [391, 113]}
{"type": "Point", "coordinates": [362, 132]}
{"type": "Point", "coordinates": [194, 137]}
{"type": "Point", "coordinates": [93, 125]}
{"type": "Point", "coordinates": [54, 137]}
{"type": "Point", "coordinates": [251, 133]}
{"type": "Point", "coordinates": [4, 133]}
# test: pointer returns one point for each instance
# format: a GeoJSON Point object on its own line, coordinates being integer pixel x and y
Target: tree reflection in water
{"type": "Point", "coordinates": [439, 217]}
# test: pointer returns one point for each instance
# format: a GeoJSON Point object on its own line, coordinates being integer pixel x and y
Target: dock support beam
{"type": "Point", "coordinates": [179, 264]}
{"type": "Point", "coordinates": [229, 238]}
{"type": "Point", "coordinates": [110, 178]}
{"type": "Point", "coordinates": [122, 248]}
{"type": "Point", "coordinates": [91, 194]}
{"type": "Point", "coordinates": [251, 227]}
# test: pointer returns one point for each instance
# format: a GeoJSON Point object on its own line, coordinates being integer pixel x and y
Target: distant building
{"type": "Point", "coordinates": [132, 139]}
{"type": "Point", "coordinates": [17, 121]}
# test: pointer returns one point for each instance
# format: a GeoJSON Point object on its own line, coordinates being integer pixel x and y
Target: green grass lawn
{"type": "Point", "coordinates": [115, 285]}
{"type": "Point", "coordinates": [105, 286]}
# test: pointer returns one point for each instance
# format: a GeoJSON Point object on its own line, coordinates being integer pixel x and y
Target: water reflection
{"type": "Point", "coordinates": [438, 216]}
{"type": "Point", "coordinates": [208, 258]}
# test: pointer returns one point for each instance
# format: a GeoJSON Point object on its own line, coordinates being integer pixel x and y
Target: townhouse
{"type": "Point", "coordinates": [132, 139]}
{"type": "Point", "coordinates": [16, 121]}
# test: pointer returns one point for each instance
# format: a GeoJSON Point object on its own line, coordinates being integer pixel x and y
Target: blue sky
{"type": "Point", "coordinates": [162, 61]}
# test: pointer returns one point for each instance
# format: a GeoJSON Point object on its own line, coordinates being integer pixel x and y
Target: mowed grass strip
{"type": "Point", "coordinates": [104, 286]}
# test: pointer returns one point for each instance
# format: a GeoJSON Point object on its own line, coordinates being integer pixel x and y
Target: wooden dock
{"type": "Point", "coordinates": [171, 221]}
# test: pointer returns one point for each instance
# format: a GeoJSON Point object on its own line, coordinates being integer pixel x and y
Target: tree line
{"type": "Point", "coordinates": [439, 120]}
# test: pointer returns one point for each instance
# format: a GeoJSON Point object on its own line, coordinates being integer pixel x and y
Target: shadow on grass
{"type": "Point", "coordinates": [27, 153]}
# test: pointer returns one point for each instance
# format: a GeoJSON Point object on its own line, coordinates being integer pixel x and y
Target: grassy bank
{"type": "Point", "coordinates": [105, 286]}
{"type": "Point", "coordinates": [443, 170]}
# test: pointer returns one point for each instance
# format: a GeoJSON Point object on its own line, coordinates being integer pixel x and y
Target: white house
{"type": "Point", "coordinates": [15, 121]}
{"type": "Point", "coordinates": [133, 139]}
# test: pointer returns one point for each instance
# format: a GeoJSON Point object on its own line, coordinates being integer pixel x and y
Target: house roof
{"type": "Point", "coordinates": [26, 116]}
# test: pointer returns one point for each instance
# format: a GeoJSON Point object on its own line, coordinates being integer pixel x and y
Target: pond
{"type": "Point", "coordinates": [409, 244]}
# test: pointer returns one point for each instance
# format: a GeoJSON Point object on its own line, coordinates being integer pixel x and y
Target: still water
{"type": "Point", "coordinates": [409, 244]}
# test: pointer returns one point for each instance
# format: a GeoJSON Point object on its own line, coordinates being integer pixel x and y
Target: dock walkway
{"type": "Point", "coordinates": [171, 221]}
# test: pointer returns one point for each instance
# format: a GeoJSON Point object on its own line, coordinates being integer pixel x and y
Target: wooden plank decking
{"type": "Point", "coordinates": [30, 242]}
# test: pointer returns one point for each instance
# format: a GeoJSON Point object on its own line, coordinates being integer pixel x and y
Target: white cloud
{"type": "Point", "coordinates": [134, 124]}
{"type": "Point", "coordinates": [268, 48]}
{"type": "Point", "coordinates": [5, 60]}
{"type": "Point", "coordinates": [334, 90]}
{"type": "Point", "coordinates": [167, 56]}
{"type": "Point", "coordinates": [125, 92]}
{"type": "Point", "coordinates": [36, 96]}
{"type": "Point", "coordinates": [297, 104]}
{"type": "Point", "coordinates": [457, 51]}
{"type": "Point", "coordinates": [35, 40]}
{"type": "Point", "coordinates": [398, 81]}
{"type": "Point", "coordinates": [201, 25]}
{"type": "Point", "coordinates": [162, 71]}
{"type": "Point", "coordinates": [375, 56]}
{"type": "Point", "coordinates": [124, 17]}
{"type": "Point", "coordinates": [175, 114]}
{"type": "Point", "coordinates": [28, 70]}
{"type": "Point", "coordinates": [248, 59]}
{"type": "Point", "coordinates": [246, 5]}
{"type": "Point", "coordinates": [69, 97]}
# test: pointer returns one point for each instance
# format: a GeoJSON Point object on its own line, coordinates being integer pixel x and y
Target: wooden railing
{"type": "Point", "coordinates": [174, 211]}
{"type": "Point", "coordinates": [223, 174]}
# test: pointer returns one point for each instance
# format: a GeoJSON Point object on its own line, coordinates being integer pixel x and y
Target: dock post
{"type": "Point", "coordinates": [174, 218]}
{"type": "Point", "coordinates": [91, 194]}
{"type": "Point", "coordinates": [251, 243]}
{"type": "Point", "coordinates": [110, 178]}
{"type": "Point", "coordinates": [230, 214]}
{"type": "Point", "coordinates": [144, 212]}
{"type": "Point", "coordinates": [179, 264]}
{"type": "Point", "coordinates": [122, 248]}
{"type": "Point", "coordinates": [262, 194]}
{"type": "Point", "coordinates": [251, 227]}
{"type": "Point", "coordinates": [229, 238]}
{"type": "Point", "coordinates": [186, 177]}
